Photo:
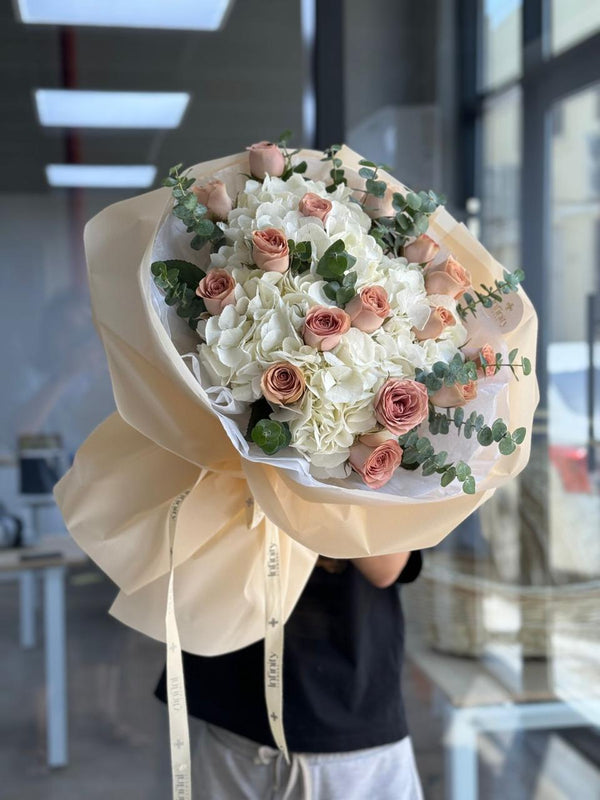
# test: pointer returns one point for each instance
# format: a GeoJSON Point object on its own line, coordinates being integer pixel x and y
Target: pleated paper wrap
{"type": "Point", "coordinates": [116, 497]}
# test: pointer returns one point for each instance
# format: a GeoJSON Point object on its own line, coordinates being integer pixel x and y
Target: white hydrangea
{"type": "Point", "coordinates": [264, 323]}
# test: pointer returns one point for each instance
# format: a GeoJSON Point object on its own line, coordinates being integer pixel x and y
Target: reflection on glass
{"type": "Point", "coordinates": [571, 21]}
{"type": "Point", "coordinates": [501, 166]}
{"type": "Point", "coordinates": [574, 277]}
{"type": "Point", "coordinates": [501, 45]}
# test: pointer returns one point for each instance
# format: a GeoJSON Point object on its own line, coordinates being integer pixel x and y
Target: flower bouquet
{"type": "Point", "coordinates": [335, 336]}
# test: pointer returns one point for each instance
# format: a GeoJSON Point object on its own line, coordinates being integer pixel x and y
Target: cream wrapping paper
{"type": "Point", "coordinates": [116, 497]}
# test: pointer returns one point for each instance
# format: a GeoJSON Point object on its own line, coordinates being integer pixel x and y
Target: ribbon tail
{"type": "Point", "coordinates": [274, 637]}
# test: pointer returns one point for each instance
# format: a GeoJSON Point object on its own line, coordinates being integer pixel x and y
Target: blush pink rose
{"type": "Point", "coordinates": [265, 159]}
{"type": "Point", "coordinates": [439, 319]}
{"type": "Point", "coordinates": [324, 326]}
{"type": "Point", "coordinates": [422, 250]}
{"type": "Point", "coordinates": [368, 309]}
{"type": "Point", "coordinates": [376, 465]}
{"type": "Point", "coordinates": [282, 383]}
{"type": "Point", "coordinates": [270, 250]}
{"type": "Point", "coordinates": [488, 352]}
{"type": "Point", "coordinates": [217, 289]}
{"type": "Point", "coordinates": [449, 278]}
{"type": "Point", "coordinates": [214, 196]}
{"type": "Point", "coordinates": [400, 405]}
{"type": "Point", "coordinates": [456, 395]}
{"type": "Point", "coordinates": [312, 205]}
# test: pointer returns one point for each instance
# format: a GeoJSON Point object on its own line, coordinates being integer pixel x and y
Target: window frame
{"type": "Point", "coordinates": [546, 79]}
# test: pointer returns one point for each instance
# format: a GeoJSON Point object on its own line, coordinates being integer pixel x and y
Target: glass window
{"type": "Point", "coordinates": [501, 166]}
{"type": "Point", "coordinates": [571, 21]}
{"type": "Point", "coordinates": [501, 29]}
{"type": "Point", "coordinates": [574, 250]}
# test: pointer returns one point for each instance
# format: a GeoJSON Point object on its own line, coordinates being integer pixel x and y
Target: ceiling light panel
{"type": "Point", "coordinates": [88, 176]}
{"type": "Point", "coordinates": [199, 15]}
{"type": "Point", "coordinates": [76, 108]}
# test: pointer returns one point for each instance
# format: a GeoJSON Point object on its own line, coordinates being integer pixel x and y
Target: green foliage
{"type": "Point", "coordinates": [179, 280]}
{"type": "Point", "coordinates": [418, 451]}
{"type": "Point", "coordinates": [411, 219]}
{"type": "Point", "coordinates": [441, 423]}
{"type": "Point", "coordinates": [190, 211]}
{"type": "Point", "coordinates": [490, 294]}
{"type": "Point", "coordinates": [341, 293]}
{"type": "Point", "coordinates": [334, 266]}
{"type": "Point", "coordinates": [335, 261]}
{"type": "Point", "coordinates": [290, 169]}
{"type": "Point", "coordinates": [300, 256]}
{"type": "Point", "coordinates": [457, 371]}
{"type": "Point", "coordinates": [336, 172]}
{"type": "Point", "coordinates": [271, 436]}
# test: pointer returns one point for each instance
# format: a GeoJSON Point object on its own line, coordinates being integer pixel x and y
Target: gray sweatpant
{"type": "Point", "coordinates": [226, 766]}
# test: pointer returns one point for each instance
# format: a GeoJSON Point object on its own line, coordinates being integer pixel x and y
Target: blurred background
{"type": "Point", "coordinates": [496, 103]}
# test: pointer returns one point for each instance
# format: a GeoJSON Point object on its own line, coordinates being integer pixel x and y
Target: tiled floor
{"type": "Point", "coordinates": [118, 731]}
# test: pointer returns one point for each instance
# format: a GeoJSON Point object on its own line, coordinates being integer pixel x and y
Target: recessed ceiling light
{"type": "Point", "coordinates": [198, 15]}
{"type": "Point", "coordinates": [76, 108]}
{"type": "Point", "coordinates": [103, 176]}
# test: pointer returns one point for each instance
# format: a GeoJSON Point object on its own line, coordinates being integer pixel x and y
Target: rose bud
{"type": "Point", "coordinates": [265, 159]}
{"type": "Point", "coordinates": [449, 278]}
{"type": "Point", "coordinates": [439, 319]}
{"type": "Point", "coordinates": [270, 250]}
{"type": "Point", "coordinates": [422, 250]}
{"type": "Point", "coordinates": [217, 289]}
{"type": "Point", "coordinates": [474, 354]}
{"type": "Point", "coordinates": [376, 465]}
{"type": "Point", "coordinates": [214, 196]}
{"type": "Point", "coordinates": [368, 309]}
{"type": "Point", "coordinates": [400, 405]}
{"type": "Point", "coordinates": [375, 438]}
{"type": "Point", "coordinates": [312, 205]}
{"type": "Point", "coordinates": [282, 383]}
{"type": "Point", "coordinates": [324, 326]}
{"type": "Point", "coordinates": [456, 395]}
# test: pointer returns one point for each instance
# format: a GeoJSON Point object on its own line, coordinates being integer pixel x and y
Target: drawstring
{"type": "Point", "coordinates": [299, 770]}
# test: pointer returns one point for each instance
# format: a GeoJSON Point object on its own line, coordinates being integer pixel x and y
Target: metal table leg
{"type": "Point", "coordinates": [460, 745]}
{"type": "Point", "coordinates": [27, 608]}
{"type": "Point", "coordinates": [56, 666]}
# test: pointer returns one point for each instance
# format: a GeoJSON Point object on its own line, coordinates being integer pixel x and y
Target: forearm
{"type": "Point", "coordinates": [382, 571]}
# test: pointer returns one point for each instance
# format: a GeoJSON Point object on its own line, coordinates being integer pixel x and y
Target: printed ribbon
{"type": "Point", "coordinates": [176, 699]}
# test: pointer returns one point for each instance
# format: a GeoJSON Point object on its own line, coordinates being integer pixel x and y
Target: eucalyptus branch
{"type": "Point", "coordinates": [179, 280]}
{"type": "Point", "coordinates": [439, 423]}
{"type": "Point", "coordinates": [369, 170]}
{"type": "Point", "coordinates": [336, 172]}
{"type": "Point", "coordinates": [190, 211]}
{"type": "Point", "coordinates": [411, 220]}
{"type": "Point", "coordinates": [417, 451]}
{"type": "Point", "coordinates": [524, 364]}
{"type": "Point", "coordinates": [490, 294]}
{"type": "Point", "coordinates": [289, 170]}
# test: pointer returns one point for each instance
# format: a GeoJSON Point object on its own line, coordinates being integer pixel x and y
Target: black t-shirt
{"type": "Point", "coordinates": [342, 662]}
